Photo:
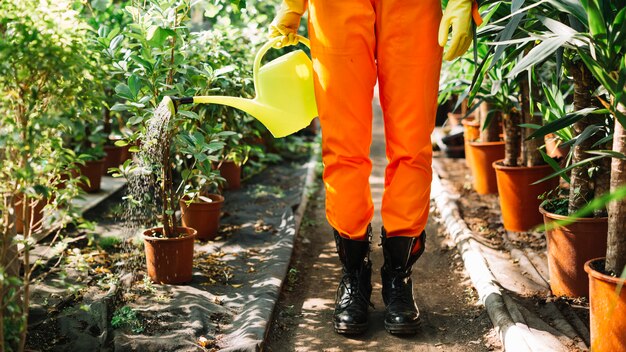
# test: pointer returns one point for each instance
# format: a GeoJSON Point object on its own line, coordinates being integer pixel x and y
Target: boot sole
{"type": "Point", "coordinates": [350, 329]}
{"type": "Point", "coordinates": [403, 329]}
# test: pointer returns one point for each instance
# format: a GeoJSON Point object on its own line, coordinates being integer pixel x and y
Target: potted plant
{"type": "Point", "coordinates": [201, 204]}
{"type": "Point", "coordinates": [232, 160]}
{"type": "Point", "coordinates": [484, 146]}
{"type": "Point", "coordinates": [523, 164]}
{"type": "Point", "coordinates": [38, 84]}
{"type": "Point", "coordinates": [576, 122]}
{"type": "Point", "coordinates": [175, 152]}
{"type": "Point", "coordinates": [607, 275]}
{"type": "Point", "coordinates": [87, 140]}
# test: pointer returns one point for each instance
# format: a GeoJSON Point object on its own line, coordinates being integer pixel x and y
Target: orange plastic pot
{"type": "Point", "coordinates": [607, 309]}
{"type": "Point", "coordinates": [519, 197]}
{"type": "Point", "coordinates": [231, 172]}
{"type": "Point", "coordinates": [115, 156]}
{"type": "Point", "coordinates": [483, 155]}
{"type": "Point", "coordinates": [569, 248]}
{"type": "Point", "coordinates": [93, 170]}
{"type": "Point", "coordinates": [203, 216]}
{"type": "Point", "coordinates": [471, 132]}
{"type": "Point", "coordinates": [169, 260]}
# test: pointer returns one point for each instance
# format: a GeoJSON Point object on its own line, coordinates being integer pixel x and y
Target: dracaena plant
{"type": "Point", "coordinates": [606, 60]}
{"type": "Point", "coordinates": [540, 32]}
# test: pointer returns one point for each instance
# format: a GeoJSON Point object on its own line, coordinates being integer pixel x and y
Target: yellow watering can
{"type": "Point", "coordinates": [285, 100]}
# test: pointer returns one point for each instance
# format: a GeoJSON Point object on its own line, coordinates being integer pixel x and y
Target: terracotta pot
{"type": "Point", "coordinates": [518, 197]}
{"type": "Point", "coordinates": [483, 155]}
{"type": "Point", "coordinates": [169, 260]}
{"type": "Point", "coordinates": [115, 156]}
{"type": "Point", "coordinates": [93, 171]}
{"type": "Point", "coordinates": [203, 216]}
{"type": "Point", "coordinates": [569, 247]}
{"type": "Point", "coordinates": [37, 217]}
{"type": "Point", "coordinates": [230, 171]}
{"type": "Point", "coordinates": [471, 132]}
{"type": "Point", "coordinates": [607, 309]}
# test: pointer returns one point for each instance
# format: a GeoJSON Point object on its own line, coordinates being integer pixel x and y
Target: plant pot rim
{"type": "Point", "coordinates": [564, 217]}
{"type": "Point", "coordinates": [498, 166]}
{"type": "Point", "coordinates": [220, 199]}
{"type": "Point", "coordinates": [600, 276]}
{"type": "Point", "coordinates": [486, 144]}
{"type": "Point", "coordinates": [191, 233]}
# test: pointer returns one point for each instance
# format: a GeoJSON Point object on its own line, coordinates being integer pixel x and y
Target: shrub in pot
{"type": "Point", "coordinates": [43, 74]}
{"type": "Point", "coordinates": [201, 205]}
{"type": "Point", "coordinates": [174, 146]}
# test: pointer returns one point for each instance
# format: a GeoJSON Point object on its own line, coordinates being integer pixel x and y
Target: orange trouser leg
{"type": "Point", "coordinates": [343, 45]}
{"type": "Point", "coordinates": [409, 63]}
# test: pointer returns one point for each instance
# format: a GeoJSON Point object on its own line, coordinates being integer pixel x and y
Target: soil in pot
{"type": "Point", "coordinates": [519, 196]}
{"type": "Point", "coordinates": [203, 215]}
{"type": "Point", "coordinates": [93, 170]}
{"type": "Point", "coordinates": [482, 156]}
{"type": "Point", "coordinates": [569, 248]}
{"type": "Point", "coordinates": [607, 309]}
{"type": "Point", "coordinates": [115, 156]}
{"type": "Point", "coordinates": [231, 172]}
{"type": "Point", "coordinates": [169, 260]}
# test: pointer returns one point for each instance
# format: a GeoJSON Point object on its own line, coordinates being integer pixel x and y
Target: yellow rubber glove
{"type": "Point", "coordinates": [458, 15]}
{"type": "Point", "coordinates": [287, 22]}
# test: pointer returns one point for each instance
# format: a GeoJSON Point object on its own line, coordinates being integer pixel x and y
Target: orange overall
{"type": "Point", "coordinates": [354, 42]}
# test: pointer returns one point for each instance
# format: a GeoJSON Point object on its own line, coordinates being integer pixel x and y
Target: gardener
{"type": "Point", "coordinates": [354, 42]}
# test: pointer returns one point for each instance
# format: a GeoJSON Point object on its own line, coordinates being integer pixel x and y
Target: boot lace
{"type": "Point", "coordinates": [400, 294]}
{"type": "Point", "coordinates": [352, 286]}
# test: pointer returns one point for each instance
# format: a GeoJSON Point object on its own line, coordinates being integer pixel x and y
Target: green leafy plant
{"type": "Point", "coordinates": [43, 75]}
{"type": "Point", "coordinates": [126, 317]}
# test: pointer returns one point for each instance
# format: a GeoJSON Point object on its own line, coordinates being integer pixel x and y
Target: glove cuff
{"type": "Point", "coordinates": [478, 20]}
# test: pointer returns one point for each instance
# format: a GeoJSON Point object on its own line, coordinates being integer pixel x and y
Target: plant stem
{"type": "Point", "coordinates": [512, 137]}
{"type": "Point", "coordinates": [530, 148]}
{"type": "Point", "coordinates": [616, 243]}
{"type": "Point", "coordinates": [581, 185]}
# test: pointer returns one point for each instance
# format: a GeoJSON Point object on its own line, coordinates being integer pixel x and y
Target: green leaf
{"type": "Point", "coordinates": [554, 165]}
{"type": "Point", "coordinates": [565, 170]}
{"type": "Point", "coordinates": [157, 36]}
{"type": "Point", "coordinates": [121, 143]}
{"type": "Point", "coordinates": [608, 153]}
{"type": "Point", "coordinates": [119, 107]}
{"type": "Point", "coordinates": [561, 123]}
{"type": "Point", "coordinates": [123, 91]}
{"type": "Point", "coordinates": [538, 54]}
{"type": "Point", "coordinates": [115, 42]}
{"type": "Point", "coordinates": [134, 84]}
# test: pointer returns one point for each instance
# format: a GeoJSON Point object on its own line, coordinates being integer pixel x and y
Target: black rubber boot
{"type": "Point", "coordinates": [355, 288]}
{"type": "Point", "coordinates": [401, 313]}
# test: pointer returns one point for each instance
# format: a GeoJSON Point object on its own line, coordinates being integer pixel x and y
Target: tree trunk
{"type": "Point", "coordinates": [530, 148]}
{"type": "Point", "coordinates": [490, 133]}
{"type": "Point", "coordinates": [602, 182]}
{"type": "Point", "coordinates": [512, 137]}
{"type": "Point", "coordinates": [616, 243]}
{"type": "Point", "coordinates": [581, 184]}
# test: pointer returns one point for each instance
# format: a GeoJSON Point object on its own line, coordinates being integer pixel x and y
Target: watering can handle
{"type": "Point", "coordinates": [263, 50]}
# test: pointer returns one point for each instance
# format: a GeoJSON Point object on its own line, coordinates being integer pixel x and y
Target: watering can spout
{"type": "Point", "coordinates": [285, 100]}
